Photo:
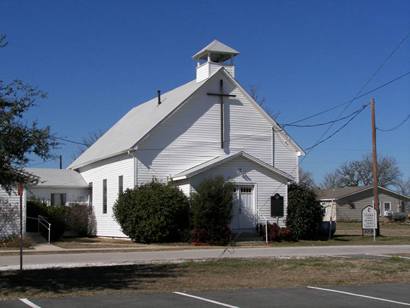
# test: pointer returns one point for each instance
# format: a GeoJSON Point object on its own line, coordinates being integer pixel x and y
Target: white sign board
{"type": "Point", "coordinates": [369, 218]}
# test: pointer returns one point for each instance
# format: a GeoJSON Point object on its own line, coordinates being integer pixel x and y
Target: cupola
{"type": "Point", "coordinates": [212, 57]}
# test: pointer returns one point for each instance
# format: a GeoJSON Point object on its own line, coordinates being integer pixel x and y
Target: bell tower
{"type": "Point", "coordinates": [212, 57]}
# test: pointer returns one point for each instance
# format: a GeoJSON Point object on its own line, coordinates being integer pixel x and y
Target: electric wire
{"type": "Point", "coordinates": [396, 126]}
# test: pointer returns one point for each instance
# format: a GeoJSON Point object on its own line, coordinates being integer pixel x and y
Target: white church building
{"type": "Point", "coordinates": [207, 127]}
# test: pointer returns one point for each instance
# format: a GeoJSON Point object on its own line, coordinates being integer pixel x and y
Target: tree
{"type": "Point", "coordinates": [19, 137]}
{"type": "Point", "coordinates": [304, 212]}
{"type": "Point", "coordinates": [88, 141]}
{"type": "Point", "coordinates": [359, 173]}
{"type": "Point", "coordinates": [153, 213]}
{"type": "Point", "coordinates": [261, 100]}
{"type": "Point", "coordinates": [306, 178]}
{"type": "Point", "coordinates": [403, 186]}
{"type": "Point", "coordinates": [211, 208]}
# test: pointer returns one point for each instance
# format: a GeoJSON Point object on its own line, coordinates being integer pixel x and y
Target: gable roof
{"type": "Point", "coordinates": [140, 120]}
{"type": "Point", "coordinates": [219, 160]}
{"type": "Point", "coordinates": [57, 178]}
{"type": "Point", "coordinates": [343, 192]}
{"type": "Point", "coordinates": [135, 125]}
{"type": "Point", "coordinates": [215, 46]}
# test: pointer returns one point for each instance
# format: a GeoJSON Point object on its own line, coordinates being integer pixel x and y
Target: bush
{"type": "Point", "coordinates": [211, 208]}
{"type": "Point", "coordinates": [304, 213]}
{"type": "Point", "coordinates": [79, 219]}
{"type": "Point", "coordinates": [275, 233]}
{"type": "Point", "coordinates": [153, 212]}
{"type": "Point", "coordinates": [55, 215]}
{"type": "Point", "coordinates": [399, 216]}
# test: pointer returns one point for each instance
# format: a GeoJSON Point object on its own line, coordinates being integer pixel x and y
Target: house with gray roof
{"type": "Point", "coordinates": [351, 200]}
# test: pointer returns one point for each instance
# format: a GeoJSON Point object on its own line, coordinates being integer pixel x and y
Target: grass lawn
{"type": "Point", "coordinates": [209, 275]}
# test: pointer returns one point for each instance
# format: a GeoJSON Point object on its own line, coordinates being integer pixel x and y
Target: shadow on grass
{"type": "Point", "coordinates": [91, 279]}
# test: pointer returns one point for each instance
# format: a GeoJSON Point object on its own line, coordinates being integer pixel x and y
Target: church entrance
{"type": "Point", "coordinates": [243, 217]}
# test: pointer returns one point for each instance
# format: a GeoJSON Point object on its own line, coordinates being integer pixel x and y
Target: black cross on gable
{"type": "Point", "coordinates": [221, 95]}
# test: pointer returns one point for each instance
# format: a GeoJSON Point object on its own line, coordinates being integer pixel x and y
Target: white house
{"type": "Point", "coordinates": [207, 127]}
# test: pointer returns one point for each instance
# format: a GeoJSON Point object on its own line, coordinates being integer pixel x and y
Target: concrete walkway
{"type": "Point", "coordinates": [11, 262]}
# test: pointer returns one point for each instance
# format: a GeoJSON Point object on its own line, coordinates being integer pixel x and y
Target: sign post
{"type": "Point", "coordinates": [369, 220]}
{"type": "Point", "coordinates": [20, 193]}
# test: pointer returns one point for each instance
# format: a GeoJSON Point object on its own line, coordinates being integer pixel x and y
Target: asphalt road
{"type": "Point", "coordinates": [11, 262]}
{"type": "Point", "coordinates": [384, 295]}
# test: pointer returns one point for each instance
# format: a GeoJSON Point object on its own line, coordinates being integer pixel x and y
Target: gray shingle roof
{"type": "Point", "coordinates": [223, 159]}
{"type": "Point", "coordinates": [135, 125]}
{"type": "Point", "coordinates": [215, 46]}
{"type": "Point", "coordinates": [57, 177]}
{"type": "Point", "coordinates": [342, 192]}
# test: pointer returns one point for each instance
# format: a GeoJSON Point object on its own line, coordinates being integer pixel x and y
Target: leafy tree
{"type": "Point", "coordinates": [19, 137]}
{"type": "Point", "coordinates": [153, 213]}
{"type": "Point", "coordinates": [359, 173]}
{"type": "Point", "coordinates": [211, 208]}
{"type": "Point", "coordinates": [304, 212]}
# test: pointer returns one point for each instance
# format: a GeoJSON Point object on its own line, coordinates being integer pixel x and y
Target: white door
{"type": "Point", "coordinates": [242, 209]}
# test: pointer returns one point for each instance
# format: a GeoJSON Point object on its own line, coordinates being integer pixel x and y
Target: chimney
{"type": "Point", "coordinates": [159, 97]}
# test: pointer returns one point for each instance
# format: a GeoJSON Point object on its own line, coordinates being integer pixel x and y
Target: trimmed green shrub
{"type": "Point", "coordinates": [153, 213]}
{"type": "Point", "coordinates": [211, 208]}
{"type": "Point", "coordinates": [79, 219]}
{"type": "Point", "coordinates": [304, 213]}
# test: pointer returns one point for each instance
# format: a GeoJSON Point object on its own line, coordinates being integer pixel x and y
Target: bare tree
{"type": "Point", "coordinates": [87, 142]}
{"type": "Point", "coordinates": [261, 100]}
{"type": "Point", "coordinates": [306, 178]}
{"type": "Point", "coordinates": [359, 173]}
{"type": "Point", "coordinates": [3, 40]}
{"type": "Point", "coordinates": [403, 186]}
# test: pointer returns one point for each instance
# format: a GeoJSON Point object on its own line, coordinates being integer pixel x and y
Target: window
{"type": "Point", "coordinates": [58, 199]}
{"type": "Point", "coordinates": [104, 196]}
{"type": "Point", "coordinates": [120, 184]}
{"type": "Point", "coordinates": [90, 193]}
{"type": "Point", "coordinates": [387, 206]}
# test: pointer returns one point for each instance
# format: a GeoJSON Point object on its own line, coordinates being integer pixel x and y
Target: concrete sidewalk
{"type": "Point", "coordinates": [67, 260]}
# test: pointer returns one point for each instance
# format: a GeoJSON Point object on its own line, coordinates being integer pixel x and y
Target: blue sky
{"type": "Point", "coordinates": [98, 59]}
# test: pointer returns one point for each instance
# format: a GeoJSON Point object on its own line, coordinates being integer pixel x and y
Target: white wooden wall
{"type": "Point", "coordinates": [109, 169]}
{"type": "Point", "coordinates": [266, 186]}
{"type": "Point", "coordinates": [192, 136]}
{"type": "Point", "coordinates": [73, 195]}
{"type": "Point", "coordinates": [8, 227]}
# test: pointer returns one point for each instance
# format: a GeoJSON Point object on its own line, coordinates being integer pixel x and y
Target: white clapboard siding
{"type": "Point", "coordinates": [285, 156]}
{"type": "Point", "coordinates": [73, 195]}
{"type": "Point", "coordinates": [109, 169]}
{"type": "Point", "coordinates": [192, 135]}
{"type": "Point", "coordinates": [9, 213]}
{"type": "Point", "coordinates": [267, 184]}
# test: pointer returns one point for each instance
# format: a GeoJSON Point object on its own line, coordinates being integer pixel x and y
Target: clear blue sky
{"type": "Point", "coordinates": [98, 59]}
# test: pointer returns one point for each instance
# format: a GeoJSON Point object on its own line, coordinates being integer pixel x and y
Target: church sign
{"type": "Point", "coordinates": [276, 206]}
{"type": "Point", "coordinates": [369, 219]}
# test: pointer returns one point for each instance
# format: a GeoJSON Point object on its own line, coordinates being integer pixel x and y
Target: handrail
{"type": "Point", "coordinates": [43, 221]}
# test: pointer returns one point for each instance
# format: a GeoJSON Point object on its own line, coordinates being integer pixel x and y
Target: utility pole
{"type": "Point", "coordinates": [20, 191]}
{"type": "Point", "coordinates": [61, 161]}
{"type": "Point", "coordinates": [374, 167]}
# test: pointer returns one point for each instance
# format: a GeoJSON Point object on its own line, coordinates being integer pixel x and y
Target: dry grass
{"type": "Point", "coordinates": [223, 274]}
{"type": "Point", "coordinates": [13, 243]}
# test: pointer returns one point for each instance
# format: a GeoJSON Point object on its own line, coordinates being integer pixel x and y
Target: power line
{"type": "Point", "coordinates": [328, 122]}
{"type": "Point", "coordinates": [348, 102]}
{"type": "Point", "coordinates": [309, 149]}
{"type": "Point", "coordinates": [70, 141]}
{"type": "Point", "coordinates": [395, 127]}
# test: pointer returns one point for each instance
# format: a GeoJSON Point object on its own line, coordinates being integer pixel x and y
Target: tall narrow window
{"type": "Point", "coordinates": [120, 184]}
{"type": "Point", "coordinates": [90, 193]}
{"type": "Point", "coordinates": [104, 196]}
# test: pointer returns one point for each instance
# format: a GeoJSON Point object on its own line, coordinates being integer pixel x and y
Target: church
{"type": "Point", "coordinates": [207, 127]}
